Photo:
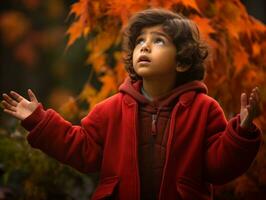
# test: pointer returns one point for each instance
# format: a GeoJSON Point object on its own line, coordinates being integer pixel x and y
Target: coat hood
{"type": "Point", "coordinates": [185, 92]}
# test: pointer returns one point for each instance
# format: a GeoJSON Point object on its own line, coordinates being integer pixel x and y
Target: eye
{"type": "Point", "coordinates": [139, 41]}
{"type": "Point", "coordinates": [159, 41]}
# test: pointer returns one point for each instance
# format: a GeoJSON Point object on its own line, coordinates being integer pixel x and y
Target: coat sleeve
{"type": "Point", "coordinates": [77, 146]}
{"type": "Point", "coordinates": [230, 150]}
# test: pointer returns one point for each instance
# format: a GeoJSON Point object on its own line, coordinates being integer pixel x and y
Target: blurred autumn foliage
{"type": "Point", "coordinates": [236, 63]}
{"type": "Point", "coordinates": [32, 55]}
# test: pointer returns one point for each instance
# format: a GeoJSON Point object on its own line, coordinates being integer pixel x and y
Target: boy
{"type": "Point", "coordinates": [161, 136]}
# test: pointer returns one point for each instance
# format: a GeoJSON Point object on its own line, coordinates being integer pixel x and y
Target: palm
{"type": "Point", "coordinates": [25, 108]}
{"type": "Point", "coordinates": [244, 115]}
{"type": "Point", "coordinates": [249, 110]}
{"type": "Point", "coordinates": [19, 107]}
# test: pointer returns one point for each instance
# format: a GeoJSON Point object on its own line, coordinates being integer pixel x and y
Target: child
{"type": "Point", "coordinates": [161, 136]}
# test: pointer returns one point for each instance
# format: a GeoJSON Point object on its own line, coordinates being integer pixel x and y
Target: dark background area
{"type": "Point", "coordinates": [256, 8]}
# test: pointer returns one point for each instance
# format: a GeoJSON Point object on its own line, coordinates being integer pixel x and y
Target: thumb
{"type": "Point", "coordinates": [243, 100]}
{"type": "Point", "coordinates": [32, 96]}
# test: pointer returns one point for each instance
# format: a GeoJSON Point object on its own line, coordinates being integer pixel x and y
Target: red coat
{"type": "Point", "coordinates": [202, 147]}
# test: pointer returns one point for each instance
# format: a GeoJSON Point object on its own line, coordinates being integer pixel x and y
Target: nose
{"type": "Point", "coordinates": [145, 47]}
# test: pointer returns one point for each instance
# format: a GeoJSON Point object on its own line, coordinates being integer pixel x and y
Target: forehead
{"type": "Point", "coordinates": [156, 30]}
{"type": "Point", "coordinates": [152, 28]}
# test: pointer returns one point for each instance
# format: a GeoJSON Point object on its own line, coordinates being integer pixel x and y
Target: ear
{"type": "Point", "coordinates": [182, 68]}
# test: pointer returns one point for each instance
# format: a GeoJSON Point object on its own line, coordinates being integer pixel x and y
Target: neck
{"type": "Point", "coordinates": [158, 86]}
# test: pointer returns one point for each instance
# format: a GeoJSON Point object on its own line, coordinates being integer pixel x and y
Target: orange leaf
{"type": "Point", "coordinates": [88, 92]}
{"type": "Point", "coordinates": [205, 29]}
{"type": "Point", "coordinates": [69, 109]}
{"type": "Point", "coordinates": [240, 58]}
{"type": "Point", "coordinates": [75, 31]}
{"type": "Point", "coordinates": [256, 49]}
{"type": "Point", "coordinates": [97, 60]}
{"type": "Point", "coordinates": [81, 25]}
{"type": "Point", "coordinates": [189, 3]}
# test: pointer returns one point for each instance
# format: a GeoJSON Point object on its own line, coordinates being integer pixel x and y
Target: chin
{"type": "Point", "coordinates": [142, 72]}
{"type": "Point", "coordinates": [146, 75]}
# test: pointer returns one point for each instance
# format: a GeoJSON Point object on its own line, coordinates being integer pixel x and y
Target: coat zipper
{"type": "Point", "coordinates": [168, 146]}
{"type": "Point", "coordinates": [153, 125]}
{"type": "Point", "coordinates": [154, 121]}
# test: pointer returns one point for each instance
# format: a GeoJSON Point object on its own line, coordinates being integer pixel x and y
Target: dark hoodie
{"type": "Point", "coordinates": [153, 124]}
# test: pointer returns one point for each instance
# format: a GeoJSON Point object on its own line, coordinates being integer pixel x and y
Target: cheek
{"type": "Point", "coordinates": [134, 58]}
{"type": "Point", "coordinates": [166, 56]}
{"type": "Point", "coordinates": [172, 57]}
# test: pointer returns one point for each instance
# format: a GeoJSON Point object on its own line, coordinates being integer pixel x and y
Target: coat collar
{"type": "Point", "coordinates": [185, 99]}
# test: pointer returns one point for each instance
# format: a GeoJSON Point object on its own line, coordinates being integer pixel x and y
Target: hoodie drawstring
{"type": "Point", "coordinates": [154, 122]}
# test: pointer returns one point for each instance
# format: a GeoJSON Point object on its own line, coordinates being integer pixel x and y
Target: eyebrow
{"type": "Point", "coordinates": [157, 33]}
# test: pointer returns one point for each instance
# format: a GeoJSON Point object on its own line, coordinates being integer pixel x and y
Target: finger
{"type": "Point", "coordinates": [243, 100]}
{"type": "Point", "coordinates": [248, 107]}
{"type": "Point", "coordinates": [255, 106]}
{"type": "Point", "coordinates": [256, 89]}
{"type": "Point", "coordinates": [14, 114]}
{"type": "Point", "coordinates": [252, 97]}
{"type": "Point", "coordinates": [8, 106]}
{"type": "Point", "coordinates": [16, 96]}
{"type": "Point", "coordinates": [256, 93]}
{"type": "Point", "coordinates": [251, 103]}
{"type": "Point", "coordinates": [255, 101]}
{"type": "Point", "coordinates": [9, 100]}
{"type": "Point", "coordinates": [32, 96]}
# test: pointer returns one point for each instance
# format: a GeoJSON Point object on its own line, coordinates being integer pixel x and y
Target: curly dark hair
{"type": "Point", "coordinates": [185, 36]}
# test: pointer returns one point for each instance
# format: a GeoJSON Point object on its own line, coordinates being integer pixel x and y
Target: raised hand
{"type": "Point", "coordinates": [250, 108]}
{"type": "Point", "coordinates": [19, 107]}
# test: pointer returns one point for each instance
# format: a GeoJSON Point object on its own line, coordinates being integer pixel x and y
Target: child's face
{"type": "Point", "coordinates": [154, 54]}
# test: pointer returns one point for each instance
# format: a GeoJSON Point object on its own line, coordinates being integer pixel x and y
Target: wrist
{"type": "Point", "coordinates": [247, 130]}
{"type": "Point", "coordinates": [34, 118]}
{"type": "Point", "coordinates": [246, 123]}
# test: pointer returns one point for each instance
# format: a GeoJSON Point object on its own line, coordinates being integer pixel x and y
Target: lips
{"type": "Point", "coordinates": [144, 58]}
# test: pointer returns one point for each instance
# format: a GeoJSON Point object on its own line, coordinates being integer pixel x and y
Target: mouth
{"type": "Point", "coordinates": [144, 59]}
